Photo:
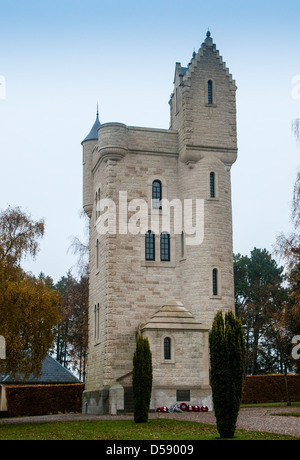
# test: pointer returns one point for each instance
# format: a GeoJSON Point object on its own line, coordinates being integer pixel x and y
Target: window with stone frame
{"type": "Point", "coordinates": [165, 247]}
{"type": "Point", "coordinates": [215, 281]}
{"type": "Point", "coordinates": [156, 194]}
{"type": "Point", "coordinates": [210, 92]}
{"type": "Point", "coordinates": [212, 185]}
{"type": "Point", "coordinates": [150, 246]}
{"type": "Point", "coordinates": [167, 348]}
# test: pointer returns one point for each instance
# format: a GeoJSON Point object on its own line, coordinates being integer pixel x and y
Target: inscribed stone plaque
{"type": "Point", "coordinates": [183, 395]}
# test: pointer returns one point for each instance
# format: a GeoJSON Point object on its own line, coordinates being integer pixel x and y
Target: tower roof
{"type": "Point", "coordinates": [93, 134]}
{"type": "Point", "coordinates": [173, 315]}
{"type": "Point", "coordinates": [184, 73]}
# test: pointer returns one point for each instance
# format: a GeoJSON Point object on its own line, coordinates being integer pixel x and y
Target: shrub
{"type": "Point", "coordinates": [270, 388]}
{"type": "Point", "coordinates": [27, 400]}
{"type": "Point", "coordinates": [142, 380]}
{"type": "Point", "coordinates": [227, 354]}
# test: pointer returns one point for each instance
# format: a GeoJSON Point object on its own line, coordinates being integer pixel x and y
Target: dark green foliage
{"type": "Point", "coordinates": [227, 354]}
{"type": "Point", "coordinates": [142, 380]}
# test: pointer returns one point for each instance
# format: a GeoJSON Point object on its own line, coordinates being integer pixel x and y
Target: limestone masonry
{"type": "Point", "coordinates": [162, 284]}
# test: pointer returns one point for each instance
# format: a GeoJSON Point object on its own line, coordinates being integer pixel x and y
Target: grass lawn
{"type": "Point", "coordinates": [154, 430]}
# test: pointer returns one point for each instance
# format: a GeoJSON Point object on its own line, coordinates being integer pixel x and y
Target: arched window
{"type": "Point", "coordinates": [165, 247]}
{"type": "Point", "coordinates": [210, 91]}
{"type": "Point", "coordinates": [150, 245]}
{"type": "Point", "coordinates": [215, 281]}
{"type": "Point", "coordinates": [167, 348]}
{"type": "Point", "coordinates": [156, 194]}
{"type": "Point", "coordinates": [212, 185]}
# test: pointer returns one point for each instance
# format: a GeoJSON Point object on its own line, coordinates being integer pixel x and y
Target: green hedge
{"type": "Point", "coordinates": [270, 388]}
{"type": "Point", "coordinates": [43, 399]}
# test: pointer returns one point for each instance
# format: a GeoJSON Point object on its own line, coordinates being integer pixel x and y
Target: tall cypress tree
{"type": "Point", "coordinates": [142, 379]}
{"type": "Point", "coordinates": [227, 354]}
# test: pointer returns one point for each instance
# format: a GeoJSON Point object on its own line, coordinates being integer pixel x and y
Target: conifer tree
{"type": "Point", "coordinates": [142, 379]}
{"type": "Point", "coordinates": [227, 354]}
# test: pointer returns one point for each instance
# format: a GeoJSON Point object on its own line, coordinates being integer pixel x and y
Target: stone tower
{"type": "Point", "coordinates": [161, 256]}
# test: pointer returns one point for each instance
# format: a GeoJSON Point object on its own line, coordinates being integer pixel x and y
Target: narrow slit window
{"type": "Point", "coordinates": [167, 348]}
{"type": "Point", "coordinates": [96, 206]}
{"type": "Point", "coordinates": [97, 203]}
{"type": "Point", "coordinates": [210, 91]}
{"type": "Point", "coordinates": [98, 321]}
{"type": "Point", "coordinates": [97, 254]}
{"type": "Point", "coordinates": [212, 185]}
{"type": "Point", "coordinates": [215, 281]}
{"type": "Point", "coordinates": [150, 246]}
{"type": "Point", "coordinates": [156, 194]}
{"type": "Point", "coordinates": [165, 247]}
{"type": "Point", "coordinates": [95, 322]}
{"type": "Point", "coordinates": [182, 244]}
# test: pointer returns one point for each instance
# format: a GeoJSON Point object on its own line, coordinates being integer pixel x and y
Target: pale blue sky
{"type": "Point", "coordinates": [60, 57]}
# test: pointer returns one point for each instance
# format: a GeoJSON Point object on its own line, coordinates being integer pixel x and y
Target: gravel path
{"type": "Point", "coordinates": [253, 419]}
{"type": "Point", "coordinates": [256, 419]}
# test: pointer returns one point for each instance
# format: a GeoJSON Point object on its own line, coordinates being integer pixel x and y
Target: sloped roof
{"type": "Point", "coordinates": [186, 72]}
{"type": "Point", "coordinates": [174, 315]}
{"type": "Point", "coordinates": [52, 373]}
{"type": "Point", "coordinates": [93, 134]}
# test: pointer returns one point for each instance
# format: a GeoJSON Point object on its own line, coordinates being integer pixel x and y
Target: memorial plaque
{"type": "Point", "coordinates": [183, 395]}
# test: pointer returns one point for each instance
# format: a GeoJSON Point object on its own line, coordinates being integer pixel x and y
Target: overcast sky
{"type": "Point", "coordinates": [59, 58]}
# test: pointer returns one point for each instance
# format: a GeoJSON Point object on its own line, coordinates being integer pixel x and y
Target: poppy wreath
{"type": "Point", "coordinates": [190, 408]}
{"type": "Point", "coordinates": [158, 409]}
{"type": "Point", "coordinates": [204, 409]}
{"type": "Point", "coordinates": [164, 409]}
{"type": "Point", "coordinates": [183, 406]}
{"type": "Point", "coordinates": [196, 408]}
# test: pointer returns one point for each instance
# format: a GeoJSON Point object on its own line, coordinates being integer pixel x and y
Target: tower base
{"type": "Point", "coordinates": [117, 399]}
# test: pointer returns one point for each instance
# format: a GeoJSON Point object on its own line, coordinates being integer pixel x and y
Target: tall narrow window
{"type": "Point", "coordinates": [97, 254]}
{"type": "Point", "coordinates": [156, 194]}
{"type": "Point", "coordinates": [96, 206]}
{"type": "Point", "coordinates": [165, 247]}
{"type": "Point", "coordinates": [215, 281]}
{"type": "Point", "coordinates": [97, 203]}
{"type": "Point", "coordinates": [150, 246]}
{"type": "Point", "coordinates": [167, 348]}
{"type": "Point", "coordinates": [182, 244]}
{"type": "Point", "coordinates": [210, 91]}
{"type": "Point", "coordinates": [95, 322]}
{"type": "Point", "coordinates": [98, 322]}
{"type": "Point", "coordinates": [212, 185]}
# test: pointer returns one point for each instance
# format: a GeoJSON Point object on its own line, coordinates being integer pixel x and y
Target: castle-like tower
{"type": "Point", "coordinates": [163, 281]}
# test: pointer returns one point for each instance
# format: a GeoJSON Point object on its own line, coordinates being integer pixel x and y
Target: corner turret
{"type": "Point", "coordinates": [93, 134]}
{"type": "Point", "coordinates": [88, 144]}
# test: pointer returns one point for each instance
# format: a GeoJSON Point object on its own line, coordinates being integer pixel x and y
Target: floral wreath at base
{"type": "Point", "coordinates": [183, 407]}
